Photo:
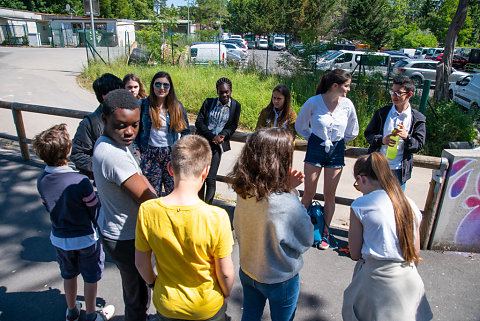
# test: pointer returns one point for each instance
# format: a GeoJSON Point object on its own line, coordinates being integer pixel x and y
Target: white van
{"type": "Point", "coordinates": [208, 53]}
{"type": "Point", "coordinates": [350, 60]}
{"type": "Point", "coordinates": [409, 52]}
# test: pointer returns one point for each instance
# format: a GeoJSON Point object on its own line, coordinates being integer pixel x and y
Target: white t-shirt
{"type": "Point", "coordinates": [393, 119]}
{"type": "Point", "coordinates": [375, 212]}
{"type": "Point", "coordinates": [112, 165]}
{"type": "Point", "coordinates": [158, 137]}
{"type": "Point", "coordinates": [316, 118]}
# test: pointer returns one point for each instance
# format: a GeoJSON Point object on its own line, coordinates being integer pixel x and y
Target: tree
{"type": "Point", "coordinates": [411, 37]}
{"type": "Point", "coordinates": [444, 68]}
{"type": "Point", "coordinates": [368, 20]}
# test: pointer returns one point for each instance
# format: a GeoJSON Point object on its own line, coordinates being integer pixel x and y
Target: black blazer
{"type": "Point", "coordinates": [230, 127]}
{"type": "Point", "coordinates": [414, 142]}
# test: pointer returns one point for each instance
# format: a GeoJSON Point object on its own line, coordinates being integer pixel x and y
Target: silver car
{"type": "Point", "coordinates": [236, 49]}
{"type": "Point", "coordinates": [421, 69]}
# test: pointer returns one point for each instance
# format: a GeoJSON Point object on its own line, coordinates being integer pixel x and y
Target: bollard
{"type": "Point", "coordinates": [426, 91]}
{"type": "Point", "coordinates": [18, 119]}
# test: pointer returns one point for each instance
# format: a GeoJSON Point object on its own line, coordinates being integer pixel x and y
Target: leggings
{"type": "Point", "coordinates": [154, 167]}
{"type": "Point", "coordinates": [207, 192]}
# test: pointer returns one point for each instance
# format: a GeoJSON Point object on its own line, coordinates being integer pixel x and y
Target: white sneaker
{"type": "Point", "coordinates": [105, 314]}
{"type": "Point", "coordinates": [78, 306]}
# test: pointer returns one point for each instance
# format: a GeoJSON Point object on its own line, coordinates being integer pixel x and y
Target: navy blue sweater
{"type": "Point", "coordinates": [71, 201]}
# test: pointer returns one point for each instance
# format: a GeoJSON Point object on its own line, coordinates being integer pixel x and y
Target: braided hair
{"type": "Point", "coordinates": [223, 81]}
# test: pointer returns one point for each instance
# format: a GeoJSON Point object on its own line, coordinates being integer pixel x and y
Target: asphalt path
{"type": "Point", "coordinates": [30, 284]}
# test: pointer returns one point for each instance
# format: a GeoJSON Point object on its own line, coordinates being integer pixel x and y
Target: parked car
{"type": "Point", "coordinates": [458, 61]}
{"type": "Point", "coordinates": [433, 51]}
{"type": "Point", "coordinates": [208, 53]}
{"type": "Point", "coordinates": [235, 48]}
{"type": "Point", "coordinates": [279, 43]}
{"type": "Point", "coordinates": [466, 91]}
{"type": "Point", "coordinates": [240, 38]}
{"type": "Point", "coordinates": [408, 51]}
{"type": "Point", "coordinates": [238, 42]}
{"type": "Point", "coordinates": [420, 69]}
{"type": "Point", "coordinates": [263, 44]}
{"type": "Point", "coordinates": [350, 60]}
{"type": "Point", "coordinates": [233, 58]}
{"type": "Point", "coordinates": [421, 52]}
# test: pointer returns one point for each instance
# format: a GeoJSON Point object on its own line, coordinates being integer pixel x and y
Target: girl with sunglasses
{"type": "Point", "coordinates": [162, 119]}
{"type": "Point", "coordinates": [384, 238]}
{"type": "Point", "coordinates": [217, 121]}
{"type": "Point", "coordinates": [272, 227]}
{"type": "Point", "coordinates": [328, 120]}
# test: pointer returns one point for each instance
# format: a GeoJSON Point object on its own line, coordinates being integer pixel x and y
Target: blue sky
{"type": "Point", "coordinates": [177, 2]}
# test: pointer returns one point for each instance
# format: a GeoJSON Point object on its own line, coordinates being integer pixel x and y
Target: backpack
{"type": "Point", "coordinates": [315, 211]}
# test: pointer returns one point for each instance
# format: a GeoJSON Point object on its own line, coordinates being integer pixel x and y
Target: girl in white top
{"type": "Point", "coordinates": [384, 237]}
{"type": "Point", "coordinates": [328, 120]}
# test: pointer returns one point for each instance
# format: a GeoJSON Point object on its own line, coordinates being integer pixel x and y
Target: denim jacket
{"type": "Point", "coordinates": [146, 125]}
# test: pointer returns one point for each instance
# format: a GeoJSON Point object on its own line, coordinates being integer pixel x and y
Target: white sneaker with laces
{"type": "Point", "coordinates": [105, 314]}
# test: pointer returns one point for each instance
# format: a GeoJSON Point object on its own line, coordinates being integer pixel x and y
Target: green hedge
{"type": "Point", "coordinates": [253, 90]}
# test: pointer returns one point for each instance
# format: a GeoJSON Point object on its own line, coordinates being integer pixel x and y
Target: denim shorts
{"type": "Point", "coordinates": [317, 156]}
{"type": "Point", "coordinates": [88, 261]}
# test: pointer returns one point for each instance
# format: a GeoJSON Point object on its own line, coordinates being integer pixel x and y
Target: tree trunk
{"type": "Point", "coordinates": [444, 67]}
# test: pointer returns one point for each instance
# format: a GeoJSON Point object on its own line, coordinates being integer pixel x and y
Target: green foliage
{"type": "Point", "coordinates": [449, 123]}
{"type": "Point", "coordinates": [369, 21]}
{"type": "Point", "coordinates": [411, 37]}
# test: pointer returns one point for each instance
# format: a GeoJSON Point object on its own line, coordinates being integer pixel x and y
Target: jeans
{"type": "Point", "coordinates": [282, 298]}
{"type": "Point", "coordinates": [136, 294]}
{"type": "Point", "coordinates": [398, 174]}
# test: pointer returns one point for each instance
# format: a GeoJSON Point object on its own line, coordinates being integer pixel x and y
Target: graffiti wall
{"type": "Point", "coordinates": [458, 220]}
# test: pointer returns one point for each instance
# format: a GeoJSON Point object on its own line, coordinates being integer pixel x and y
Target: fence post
{"type": "Point", "coordinates": [19, 126]}
{"type": "Point", "coordinates": [426, 91]}
{"type": "Point", "coordinates": [431, 203]}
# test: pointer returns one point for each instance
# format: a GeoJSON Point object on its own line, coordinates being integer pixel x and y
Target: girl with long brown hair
{"type": "Point", "coordinates": [162, 119]}
{"type": "Point", "coordinates": [272, 227]}
{"type": "Point", "coordinates": [133, 84]}
{"type": "Point", "coordinates": [328, 120]}
{"type": "Point", "coordinates": [384, 237]}
{"type": "Point", "coordinates": [279, 112]}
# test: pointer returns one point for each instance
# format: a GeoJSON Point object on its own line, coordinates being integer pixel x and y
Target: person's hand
{"type": "Point", "coordinates": [216, 140]}
{"type": "Point", "coordinates": [295, 178]}
{"type": "Point", "coordinates": [387, 140]}
{"type": "Point", "coordinates": [221, 138]}
{"type": "Point", "coordinates": [401, 131]}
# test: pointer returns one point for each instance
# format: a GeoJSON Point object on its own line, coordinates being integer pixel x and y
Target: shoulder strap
{"type": "Point", "coordinates": [214, 103]}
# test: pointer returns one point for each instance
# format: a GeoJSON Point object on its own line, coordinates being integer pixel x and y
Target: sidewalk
{"type": "Point", "coordinates": [31, 287]}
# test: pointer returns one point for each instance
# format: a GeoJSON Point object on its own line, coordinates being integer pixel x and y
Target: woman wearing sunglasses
{"type": "Point", "coordinates": [384, 238]}
{"type": "Point", "coordinates": [162, 119]}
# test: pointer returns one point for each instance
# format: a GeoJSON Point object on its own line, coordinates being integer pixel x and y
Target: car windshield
{"type": "Point", "coordinates": [279, 40]}
{"type": "Point", "coordinates": [430, 51]}
{"type": "Point", "coordinates": [327, 53]}
{"type": "Point", "coordinates": [334, 55]}
{"type": "Point", "coordinates": [400, 64]}
{"type": "Point", "coordinates": [263, 41]}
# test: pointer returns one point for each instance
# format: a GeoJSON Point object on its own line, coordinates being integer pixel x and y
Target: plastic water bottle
{"type": "Point", "coordinates": [392, 150]}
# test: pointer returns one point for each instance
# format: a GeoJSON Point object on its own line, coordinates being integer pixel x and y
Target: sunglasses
{"type": "Point", "coordinates": [398, 93]}
{"type": "Point", "coordinates": [165, 85]}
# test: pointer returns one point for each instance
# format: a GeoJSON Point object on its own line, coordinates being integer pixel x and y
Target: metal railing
{"type": "Point", "coordinates": [437, 164]}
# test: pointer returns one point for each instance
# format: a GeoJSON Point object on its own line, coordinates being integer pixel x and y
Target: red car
{"type": "Point", "coordinates": [458, 61]}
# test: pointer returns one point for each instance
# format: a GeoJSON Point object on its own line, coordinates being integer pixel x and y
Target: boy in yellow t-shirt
{"type": "Point", "coordinates": [191, 240]}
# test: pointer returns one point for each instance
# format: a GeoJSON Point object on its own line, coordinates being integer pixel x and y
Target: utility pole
{"type": "Point", "coordinates": [93, 26]}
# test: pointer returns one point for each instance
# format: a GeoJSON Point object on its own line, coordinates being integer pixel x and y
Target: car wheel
{"type": "Point", "coordinates": [417, 81]}
{"type": "Point", "coordinates": [450, 94]}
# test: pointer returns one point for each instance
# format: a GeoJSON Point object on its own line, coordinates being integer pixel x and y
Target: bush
{"type": "Point", "coordinates": [447, 122]}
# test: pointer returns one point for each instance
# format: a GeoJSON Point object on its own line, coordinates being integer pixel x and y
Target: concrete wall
{"type": "Point", "coordinates": [458, 221]}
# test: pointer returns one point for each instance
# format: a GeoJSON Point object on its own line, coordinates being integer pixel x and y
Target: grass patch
{"type": "Point", "coordinates": [193, 84]}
